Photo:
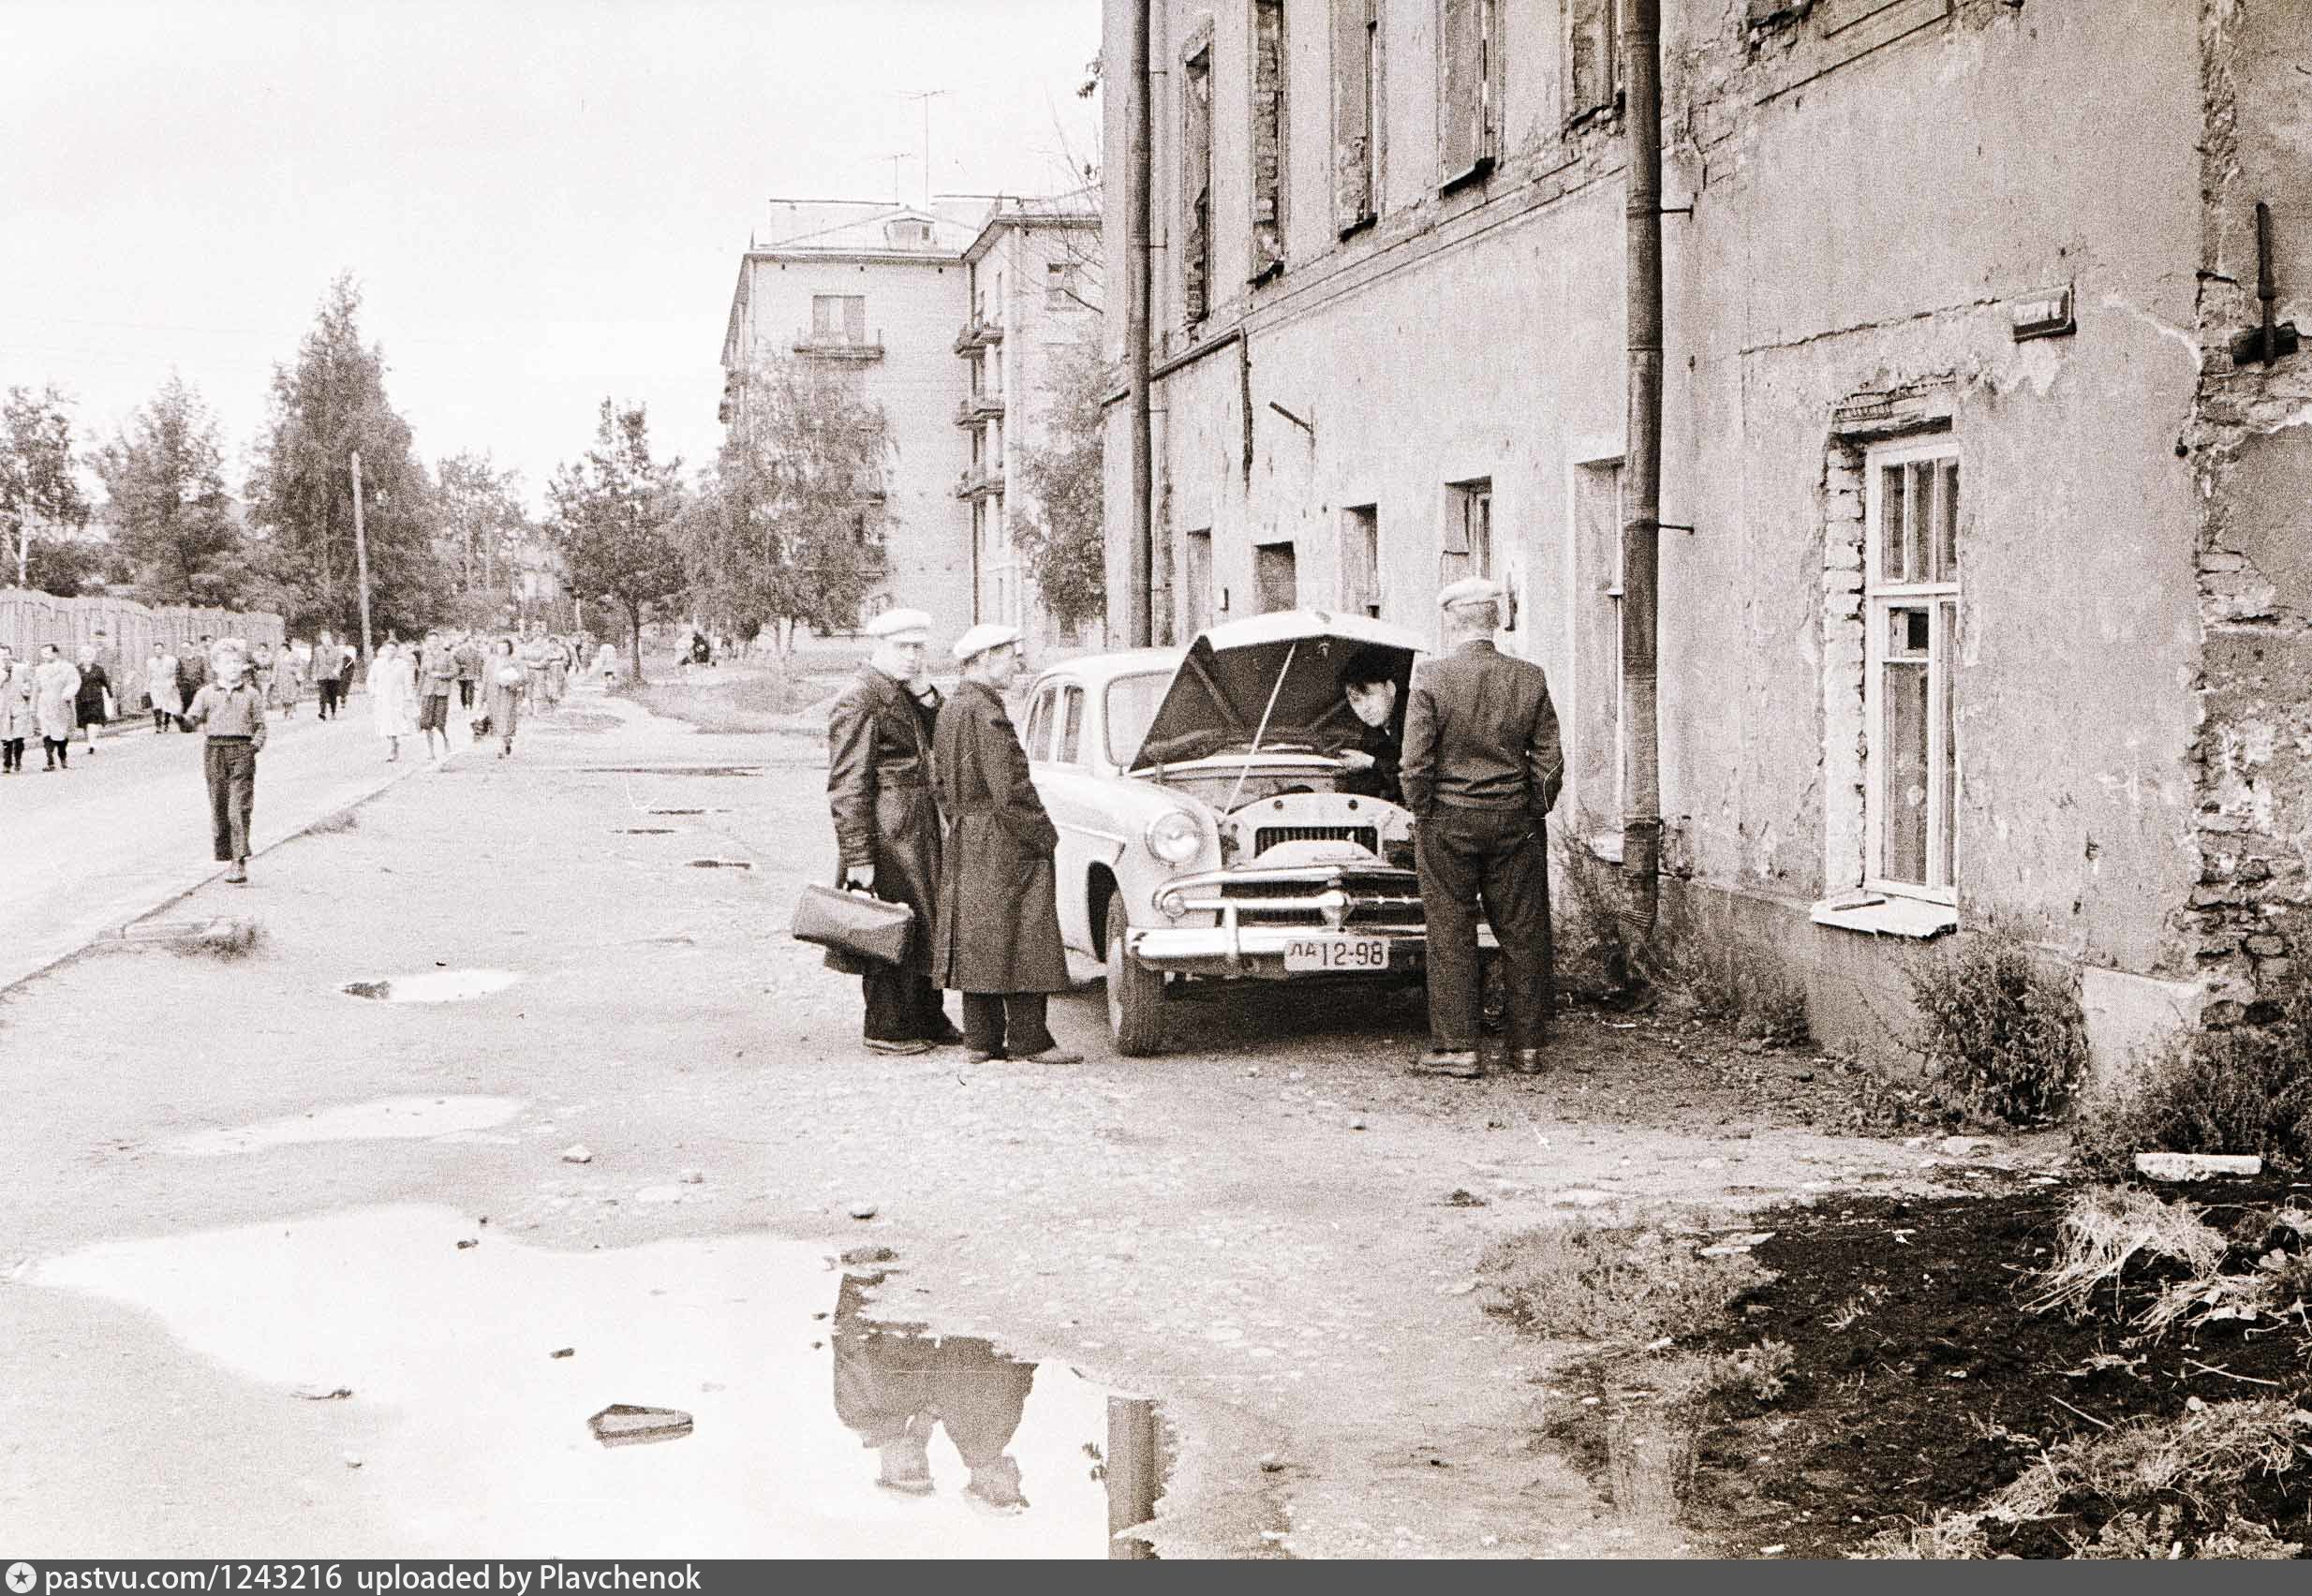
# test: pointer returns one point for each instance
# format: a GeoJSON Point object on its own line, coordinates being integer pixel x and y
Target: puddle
{"type": "Point", "coordinates": [722, 865]}
{"type": "Point", "coordinates": [434, 986]}
{"type": "Point", "coordinates": [670, 770]}
{"type": "Point", "coordinates": [705, 811]}
{"type": "Point", "coordinates": [406, 1118]}
{"type": "Point", "coordinates": [818, 1425]}
{"type": "Point", "coordinates": [646, 831]}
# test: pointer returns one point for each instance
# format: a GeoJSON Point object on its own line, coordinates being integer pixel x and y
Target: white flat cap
{"type": "Point", "coordinates": [982, 638]}
{"type": "Point", "coordinates": [1470, 590]}
{"type": "Point", "coordinates": [900, 626]}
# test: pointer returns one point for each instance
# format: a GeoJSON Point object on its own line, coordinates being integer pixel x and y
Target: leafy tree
{"type": "Point", "coordinates": [42, 509]}
{"type": "Point", "coordinates": [788, 526]}
{"type": "Point", "coordinates": [325, 408]}
{"type": "Point", "coordinates": [482, 526]}
{"type": "Point", "coordinates": [1056, 524]}
{"type": "Point", "coordinates": [171, 518]}
{"type": "Point", "coordinates": [614, 509]}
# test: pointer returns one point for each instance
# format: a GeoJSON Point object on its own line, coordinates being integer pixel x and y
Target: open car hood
{"type": "Point", "coordinates": [1221, 688]}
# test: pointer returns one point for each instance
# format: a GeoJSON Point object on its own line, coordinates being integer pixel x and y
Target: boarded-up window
{"type": "Point", "coordinates": [1276, 577]}
{"type": "Point", "coordinates": [1196, 185]}
{"type": "Point", "coordinates": [1357, 112]}
{"type": "Point", "coordinates": [1360, 560]}
{"type": "Point", "coordinates": [1268, 75]}
{"type": "Point", "coordinates": [1465, 547]}
{"type": "Point", "coordinates": [1467, 87]}
{"type": "Point", "coordinates": [1196, 607]}
{"type": "Point", "coordinates": [1590, 47]}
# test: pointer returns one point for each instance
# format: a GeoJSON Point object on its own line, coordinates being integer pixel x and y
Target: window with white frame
{"type": "Point", "coordinates": [1911, 634]}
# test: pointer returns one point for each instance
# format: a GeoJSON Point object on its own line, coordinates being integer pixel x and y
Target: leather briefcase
{"type": "Point", "coordinates": [854, 923]}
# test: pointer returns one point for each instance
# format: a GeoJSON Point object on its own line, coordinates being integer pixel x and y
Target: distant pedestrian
{"type": "Point", "coordinates": [606, 666]}
{"type": "Point", "coordinates": [508, 682]}
{"type": "Point", "coordinates": [160, 687]}
{"type": "Point", "coordinates": [328, 678]}
{"type": "Point", "coordinates": [467, 651]}
{"type": "Point", "coordinates": [557, 669]}
{"type": "Point", "coordinates": [232, 712]}
{"type": "Point", "coordinates": [192, 674]}
{"type": "Point", "coordinates": [93, 703]}
{"type": "Point", "coordinates": [437, 681]}
{"type": "Point", "coordinates": [997, 937]}
{"type": "Point", "coordinates": [260, 669]}
{"type": "Point", "coordinates": [55, 687]}
{"type": "Point", "coordinates": [17, 719]}
{"type": "Point", "coordinates": [1482, 766]}
{"type": "Point", "coordinates": [394, 696]}
{"type": "Point", "coordinates": [288, 678]}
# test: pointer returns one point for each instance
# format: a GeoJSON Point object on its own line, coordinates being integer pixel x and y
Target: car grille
{"type": "Point", "coordinates": [1366, 837]}
{"type": "Point", "coordinates": [1375, 904]}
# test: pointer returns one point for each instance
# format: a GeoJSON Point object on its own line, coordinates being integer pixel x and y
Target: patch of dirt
{"type": "Point", "coordinates": [1922, 1384]}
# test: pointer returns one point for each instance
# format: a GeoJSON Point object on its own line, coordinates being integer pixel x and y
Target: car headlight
{"type": "Point", "coordinates": [1173, 901]}
{"type": "Point", "coordinates": [1174, 836]}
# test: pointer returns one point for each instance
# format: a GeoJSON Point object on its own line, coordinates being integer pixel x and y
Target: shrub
{"type": "Point", "coordinates": [2007, 1038]}
{"type": "Point", "coordinates": [1730, 983]}
{"type": "Point", "coordinates": [2237, 1092]}
{"type": "Point", "coordinates": [1621, 1285]}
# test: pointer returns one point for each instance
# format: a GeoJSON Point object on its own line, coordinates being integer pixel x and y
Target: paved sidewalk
{"type": "Point", "coordinates": [126, 829]}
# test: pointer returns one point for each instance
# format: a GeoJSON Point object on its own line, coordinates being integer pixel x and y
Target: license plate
{"type": "Point", "coordinates": [1322, 954]}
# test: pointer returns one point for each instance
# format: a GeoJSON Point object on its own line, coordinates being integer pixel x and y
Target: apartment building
{"type": "Point", "coordinates": [1982, 597]}
{"type": "Point", "coordinates": [1035, 287]}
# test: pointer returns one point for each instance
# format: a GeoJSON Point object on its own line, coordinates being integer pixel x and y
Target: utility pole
{"type": "Point", "coordinates": [1642, 531]}
{"type": "Point", "coordinates": [361, 555]}
{"type": "Point", "coordinates": [24, 545]}
{"type": "Point", "coordinates": [1140, 609]}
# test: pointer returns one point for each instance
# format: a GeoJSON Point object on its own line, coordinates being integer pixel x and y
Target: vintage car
{"type": "Point", "coordinates": [1203, 834]}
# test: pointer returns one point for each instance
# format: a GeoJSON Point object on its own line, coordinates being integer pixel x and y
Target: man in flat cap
{"type": "Point", "coordinates": [1482, 767]}
{"type": "Point", "coordinates": [887, 821]}
{"type": "Point", "coordinates": [999, 927]}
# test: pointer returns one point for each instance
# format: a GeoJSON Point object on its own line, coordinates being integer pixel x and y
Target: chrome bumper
{"type": "Point", "coordinates": [1232, 949]}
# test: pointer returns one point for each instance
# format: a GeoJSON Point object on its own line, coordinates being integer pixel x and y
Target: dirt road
{"type": "Point", "coordinates": [230, 1179]}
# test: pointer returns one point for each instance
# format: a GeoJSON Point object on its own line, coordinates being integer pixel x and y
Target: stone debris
{"type": "Point", "coordinates": [352, 1459]}
{"type": "Point", "coordinates": [861, 1210]}
{"type": "Point", "coordinates": [466, 1243]}
{"type": "Point", "coordinates": [2195, 1166]}
{"type": "Point", "coordinates": [622, 1424]}
{"type": "Point", "coordinates": [577, 1153]}
{"type": "Point", "coordinates": [563, 1353]}
{"type": "Point", "coordinates": [320, 1392]}
{"type": "Point", "coordinates": [869, 1255]}
{"type": "Point", "coordinates": [694, 1177]}
{"type": "Point", "coordinates": [1969, 1146]}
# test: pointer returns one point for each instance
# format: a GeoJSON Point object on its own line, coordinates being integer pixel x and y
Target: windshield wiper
{"type": "Point", "coordinates": [1253, 752]}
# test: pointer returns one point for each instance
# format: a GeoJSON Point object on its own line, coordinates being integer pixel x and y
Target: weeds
{"type": "Point", "coordinates": [2238, 1092]}
{"type": "Point", "coordinates": [1731, 983]}
{"type": "Point", "coordinates": [1613, 1285]}
{"type": "Point", "coordinates": [343, 820]}
{"type": "Point", "coordinates": [2007, 1039]}
{"type": "Point", "coordinates": [2106, 1229]}
{"type": "Point", "coordinates": [226, 940]}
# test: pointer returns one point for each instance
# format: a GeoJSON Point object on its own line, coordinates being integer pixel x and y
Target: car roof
{"type": "Point", "coordinates": [1097, 669]}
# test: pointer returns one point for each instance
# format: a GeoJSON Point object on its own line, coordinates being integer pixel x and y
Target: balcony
{"type": "Point", "coordinates": [813, 343]}
{"type": "Point", "coordinates": [977, 407]}
{"type": "Point", "coordinates": [979, 481]}
{"type": "Point", "coordinates": [978, 334]}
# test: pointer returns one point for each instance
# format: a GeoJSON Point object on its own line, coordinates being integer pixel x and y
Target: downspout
{"type": "Point", "coordinates": [1642, 819]}
{"type": "Point", "coordinates": [1141, 615]}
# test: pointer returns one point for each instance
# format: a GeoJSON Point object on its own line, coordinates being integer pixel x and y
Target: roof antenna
{"type": "Point", "coordinates": [925, 97]}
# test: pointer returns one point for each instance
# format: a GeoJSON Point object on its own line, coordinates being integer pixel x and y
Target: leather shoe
{"type": "Point", "coordinates": [979, 1055]}
{"type": "Point", "coordinates": [1052, 1055]}
{"type": "Point", "coordinates": [1460, 1064]}
{"type": "Point", "coordinates": [947, 1036]}
{"type": "Point", "coordinates": [897, 1049]}
{"type": "Point", "coordinates": [1531, 1060]}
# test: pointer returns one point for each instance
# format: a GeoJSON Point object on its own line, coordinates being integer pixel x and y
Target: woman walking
{"type": "Point", "coordinates": [160, 686]}
{"type": "Point", "coordinates": [92, 703]}
{"type": "Point", "coordinates": [394, 696]}
{"type": "Point", "coordinates": [16, 717]}
{"type": "Point", "coordinates": [55, 687]}
{"type": "Point", "coordinates": [557, 669]}
{"type": "Point", "coordinates": [289, 683]}
{"type": "Point", "coordinates": [510, 681]}
{"type": "Point", "coordinates": [606, 666]}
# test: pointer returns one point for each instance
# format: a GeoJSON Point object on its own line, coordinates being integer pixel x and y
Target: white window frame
{"type": "Point", "coordinates": [1881, 596]}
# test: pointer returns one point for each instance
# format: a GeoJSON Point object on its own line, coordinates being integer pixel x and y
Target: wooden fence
{"type": "Point", "coordinates": [29, 620]}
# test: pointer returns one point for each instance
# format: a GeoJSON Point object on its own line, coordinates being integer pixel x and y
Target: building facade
{"type": "Point", "coordinates": [1982, 597]}
{"type": "Point", "coordinates": [949, 316]}
{"type": "Point", "coordinates": [1035, 287]}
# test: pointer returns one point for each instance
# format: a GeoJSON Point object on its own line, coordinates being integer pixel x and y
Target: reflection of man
{"type": "Point", "coordinates": [1368, 680]}
{"type": "Point", "coordinates": [894, 1384]}
{"type": "Point", "coordinates": [1482, 767]}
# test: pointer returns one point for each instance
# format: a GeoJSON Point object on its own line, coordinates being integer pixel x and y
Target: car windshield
{"type": "Point", "coordinates": [1132, 703]}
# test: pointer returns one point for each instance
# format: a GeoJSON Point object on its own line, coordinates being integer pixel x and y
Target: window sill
{"type": "Point", "coordinates": [1880, 915]}
{"type": "Point", "coordinates": [1476, 172]}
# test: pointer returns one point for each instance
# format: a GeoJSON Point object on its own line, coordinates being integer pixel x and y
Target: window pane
{"type": "Point", "coordinates": [1072, 727]}
{"type": "Point", "coordinates": [1904, 704]}
{"type": "Point", "coordinates": [1040, 717]}
{"type": "Point", "coordinates": [855, 318]}
{"type": "Point", "coordinates": [1906, 634]}
{"type": "Point", "coordinates": [1947, 523]}
{"type": "Point", "coordinates": [1947, 778]}
{"type": "Point", "coordinates": [1892, 563]}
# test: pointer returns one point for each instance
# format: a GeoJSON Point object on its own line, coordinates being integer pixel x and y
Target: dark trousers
{"type": "Point", "coordinates": [902, 1004]}
{"type": "Point", "coordinates": [328, 686]}
{"type": "Point", "coordinates": [58, 751]}
{"type": "Point", "coordinates": [12, 754]}
{"type": "Point", "coordinates": [231, 765]}
{"type": "Point", "coordinates": [464, 694]}
{"type": "Point", "coordinates": [1502, 858]}
{"type": "Point", "coordinates": [1008, 1023]}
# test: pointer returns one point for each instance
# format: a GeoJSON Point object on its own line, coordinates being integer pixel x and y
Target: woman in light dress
{"type": "Point", "coordinates": [160, 687]}
{"type": "Point", "coordinates": [394, 696]}
{"type": "Point", "coordinates": [507, 680]}
{"type": "Point", "coordinates": [288, 678]}
{"type": "Point", "coordinates": [606, 666]}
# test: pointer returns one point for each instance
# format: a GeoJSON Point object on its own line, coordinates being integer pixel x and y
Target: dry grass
{"type": "Point", "coordinates": [343, 820]}
{"type": "Point", "coordinates": [1615, 1285]}
{"type": "Point", "coordinates": [224, 942]}
{"type": "Point", "coordinates": [2140, 1481]}
{"type": "Point", "coordinates": [2106, 1229]}
{"type": "Point", "coordinates": [2247, 1090]}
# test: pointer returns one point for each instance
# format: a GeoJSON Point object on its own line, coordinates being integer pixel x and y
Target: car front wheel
{"type": "Point", "coordinates": [1136, 998]}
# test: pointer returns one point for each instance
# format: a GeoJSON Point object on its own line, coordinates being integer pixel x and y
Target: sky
{"type": "Point", "coordinates": [543, 203]}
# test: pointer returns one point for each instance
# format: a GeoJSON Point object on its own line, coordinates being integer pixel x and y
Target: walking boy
{"type": "Point", "coordinates": [233, 713]}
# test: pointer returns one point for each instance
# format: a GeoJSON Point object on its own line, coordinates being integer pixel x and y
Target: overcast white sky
{"type": "Point", "coordinates": [544, 202]}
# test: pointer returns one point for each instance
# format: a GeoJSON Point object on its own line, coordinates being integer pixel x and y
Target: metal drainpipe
{"type": "Point", "coordinates": [1141, 613]}
{"type": "Point", "coordinates": [1642, 819]}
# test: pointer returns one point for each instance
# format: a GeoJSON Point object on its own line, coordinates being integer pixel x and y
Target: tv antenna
{"type": "Point", "coordinates": [924, 97]}
{"type": "Point", "coordinates": [894, 158]}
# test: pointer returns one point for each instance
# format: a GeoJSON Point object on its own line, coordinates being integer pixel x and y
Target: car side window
{"type": "Point", "coordinates": [1037, 742]}
{"type": "Point", "coordinates": [1072, 727]}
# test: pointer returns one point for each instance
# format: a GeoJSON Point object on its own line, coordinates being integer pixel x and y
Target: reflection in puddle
{"type": "Point", "coordinates": [435, 987]}
{"type": "Point", "coordinates": [473, 1427]}
{"type": "Point", "coordinates": [1637, 1435]}
{"type": "Point", "coordinates": [389, 1119]}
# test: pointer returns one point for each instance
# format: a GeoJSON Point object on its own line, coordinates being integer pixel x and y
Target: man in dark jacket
{"type": "Point", "coordinates": [1482, 767]}
{"type": "Point", "coordinates": [998, 942]}
{"type": "Point", "coordinates": [1371, 765]}
{"type": "Point", "coordinates": [886, 821]}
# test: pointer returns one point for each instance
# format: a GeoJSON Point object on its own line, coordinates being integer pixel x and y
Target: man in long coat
{"type": "Point", "coordinates": [998, 940]}
{"type": "Point", "coordinates": [887, 822]}
{"type": "Point", "coordinates": [55, 687]}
